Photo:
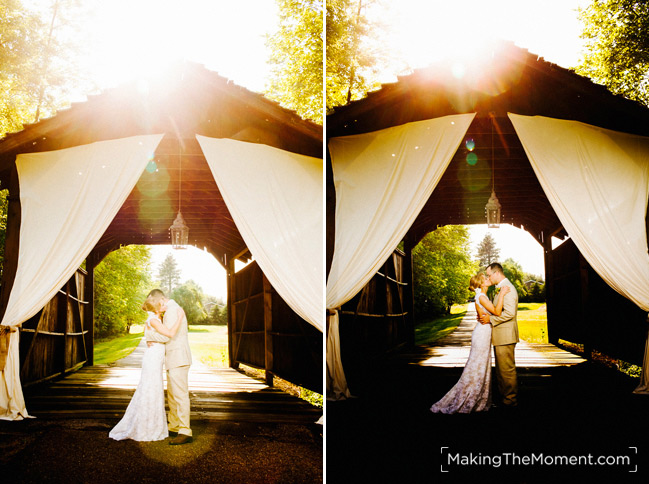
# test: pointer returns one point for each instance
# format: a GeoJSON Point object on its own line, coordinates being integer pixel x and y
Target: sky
{"type": "Point", "coordinates": [514, 243]}
{"type": "Point", "coordinates": [131, 38]}
{"type": "Point", "coordinates": [427, 30]}
{"type": "Point", "coordinates": [195, 264]}
{"type": "Point", "coordinates": [134, 37]}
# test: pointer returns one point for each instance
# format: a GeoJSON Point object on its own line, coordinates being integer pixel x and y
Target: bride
{"type": "Point", "coordinates": [472, 392]}
{"type": "Point", "coordinates": [145, 418]}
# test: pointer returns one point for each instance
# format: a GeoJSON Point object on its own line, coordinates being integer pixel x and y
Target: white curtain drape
{"type": "Point", "coordinates": [597, 181]}
{"type": "Point", "coordinates": [276, 200]}
{"type": "Point", "coordinates": [68, 198]}
{"type": "Point", "coordinates": [382, 180]}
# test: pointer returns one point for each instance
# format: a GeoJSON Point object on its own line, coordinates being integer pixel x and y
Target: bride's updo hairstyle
{"type": "Point", "coordinates": [155, 299]}
{"type": "Point", "coordinates": [476, 281]}
{"type": "Point", "coordinates": [153, 304]}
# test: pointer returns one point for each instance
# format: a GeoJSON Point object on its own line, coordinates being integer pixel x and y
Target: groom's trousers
{"type": "Point", "coordinates": [506, 373]}
{"type": "Point", "coordinates": [178, 398]}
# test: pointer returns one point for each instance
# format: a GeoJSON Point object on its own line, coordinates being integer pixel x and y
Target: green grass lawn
{"type": "Point", "coordinates": [209, 344]}
{"type": "Point", "coordinates": [110, 350]}
{"type": "Point", "coordinates": [532, 324]}
{"type": "Point", "coordinates": [430, 330]}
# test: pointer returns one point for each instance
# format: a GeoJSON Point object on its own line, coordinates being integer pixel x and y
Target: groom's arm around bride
{"type": "Point", "coordinates": [504, 337]}
{"type": "Point", "coordinates": [505, 327]}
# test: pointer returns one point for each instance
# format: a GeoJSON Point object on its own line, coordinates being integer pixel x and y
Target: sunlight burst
{"type": "Point", "coordinates": [133, 40]}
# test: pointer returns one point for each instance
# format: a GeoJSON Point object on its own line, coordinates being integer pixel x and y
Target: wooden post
{"type": "Point", "coordinates": [12, 241]}
{"type": "Point", "coordinates": [268, 328]}
{"type": "Point", "coordinates": [549, 286]}
{"type": "Point", "coordinates": [69, 356]}
{"type": "Point", "coordinates": [409, 291]}
{"type": "Point", "coordinates": [585, 313]}
{"type": "Point", "coordinates": [61, 319]}
{"type": "Point", "coordinates": [231, 312]}
{"type": "Point", "coordinates": [81, 275]}
{"type": "Point", "coordinates": [89, 309]}
{"type": "Point", "coordinates": [43, 317]}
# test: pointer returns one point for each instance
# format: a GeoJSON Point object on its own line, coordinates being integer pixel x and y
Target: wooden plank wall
{"type": "Point", "coordinates": [247, 332]}
{"type": "Point", "coordinates": [583, 309]}
{"type": "Point", "coordinates": [296, 346]}
{"type": "Point", "coordinates": [54, 341]}
{"type": "Point", "coordinates": [266, 333]}
{"type": "Point", "coordinates": [376, 322]}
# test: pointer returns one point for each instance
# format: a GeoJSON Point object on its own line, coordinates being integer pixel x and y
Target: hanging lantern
{"type": "Point", "coordinates": [179, 229]}
{"type": "Point", "coordinates": [179, 232]}
{"type": "Point", "coordinates": [493, 211]}
{"type": "Point", "coordinates": [493, 205]}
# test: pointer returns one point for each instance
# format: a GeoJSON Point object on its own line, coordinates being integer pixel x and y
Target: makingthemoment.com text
{"type": "Point", "coordinates": [452, 459]}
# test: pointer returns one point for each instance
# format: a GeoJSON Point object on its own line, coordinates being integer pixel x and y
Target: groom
{"type": "Point", "coordinates": [504, 336]}
{"type": "Point", "coordinates": [178, 358]}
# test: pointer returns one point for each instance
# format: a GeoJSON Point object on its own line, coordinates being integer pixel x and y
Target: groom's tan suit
{"type": "Point", "coordinates": [504, 338]}
{"type": "Point", "coordinates": [178, 359]}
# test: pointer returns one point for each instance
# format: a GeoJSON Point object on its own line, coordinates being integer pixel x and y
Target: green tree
{"type": "Point", "coordinates": [617, 46]}
{"type": "Point", "coordinates": [219, 315]}
{"type": "Point", "coordinates": [536, 292]}
{"type": "Point", "coordinates": [488, 252]}
{"type": "Point", "coordinates": [122, 281]}
{"type": "Point", "coordinates": [169, 274]}
{"type": "Point", "coordinates": [39, 59]}
{"type": "Point", "coordinates": [216, 309]}
{"type": "Point", "coordinates": [442, 267]}
{"type": "Point", "coordinates": [190, 297]}
{"type": "Point", "coordinates": [18, 56]}
{"type": "Point", "coordinates": [61, 43]}
{"type": "Point", "coordinates": [354, 51]}
{"type": "Point", "coordinates": [296, 58]}
{"type": "Point", "coordinates": [514, 272]}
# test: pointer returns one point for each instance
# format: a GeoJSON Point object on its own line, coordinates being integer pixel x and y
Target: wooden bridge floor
{"type": "Point", "coordinates": [217, 394]}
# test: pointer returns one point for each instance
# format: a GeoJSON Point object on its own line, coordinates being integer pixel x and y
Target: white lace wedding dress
{"type": "Point", "coordinates": [145, 418]}
{"type": "Point", "coordinates": [472, 392]}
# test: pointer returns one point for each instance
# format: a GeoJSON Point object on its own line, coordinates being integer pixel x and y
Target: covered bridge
{"type": "Point", "coordinates": [431, 147]}
{"type": "Point", "coordinates": [189, 141]}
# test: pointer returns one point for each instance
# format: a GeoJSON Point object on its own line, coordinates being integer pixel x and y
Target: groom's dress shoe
{"type": "Point", "coordinates": [181, 439]}
{"type": "Point", "coordinates": [172, 433]}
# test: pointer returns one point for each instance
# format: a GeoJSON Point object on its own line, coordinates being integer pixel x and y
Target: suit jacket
{"type": "Point", "coordinates": [505, 326]}
{"type": "Point", "coordinates": [177, 352]}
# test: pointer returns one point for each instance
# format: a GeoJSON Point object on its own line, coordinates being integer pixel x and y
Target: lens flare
{"type": "Point", "coordinates": [470, 144]}
{"type": "Point", "coordinates": [152, 211]}
{"type": "Point", "coordinates": [474, 176]}
{"type": "Point", "coordinates": [153, 183]}
{"type": "Point", "coordinates": [151, 166]}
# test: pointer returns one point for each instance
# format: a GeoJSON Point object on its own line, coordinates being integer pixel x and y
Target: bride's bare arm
{"type": "Point", "coordinates": [162, 329]}
{"type": "Point", "coordinates": [498, 309]}
{"type": "Point", "coordinates": [479, 309]}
